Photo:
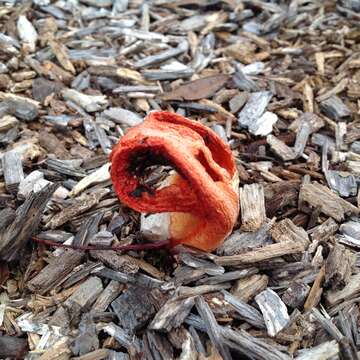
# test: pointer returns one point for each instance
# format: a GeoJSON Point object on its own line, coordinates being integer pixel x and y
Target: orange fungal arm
{"type": "Point", "coordinates": [202, 197]}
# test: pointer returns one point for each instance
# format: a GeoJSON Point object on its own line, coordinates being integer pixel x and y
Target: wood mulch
{"type": "Point", "coordinates": [279, 81]}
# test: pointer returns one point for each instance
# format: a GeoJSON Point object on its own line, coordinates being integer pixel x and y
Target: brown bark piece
{"type": "Point", "coordinates": [286, 230]}
{"type": "Point", "coordinates": [330, 203]}
{"type": "Point", "coordinates": [55, 272]}
{"type": "Point", "coordinates": [27, 219]}
{"type": "Point", "coordinates": [252, 207]}
{"type": "Point", "coordinates": [338, 267]}
{"type": "Point", "coordinates": [261, 254]}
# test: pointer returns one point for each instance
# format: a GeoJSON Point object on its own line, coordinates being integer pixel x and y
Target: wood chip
{"type": "Point", "coordinates": [25, 223]}
{"type": "Point", "coordinates": [212, 327]}
{"type": "Point", "coordinates": [286, 230]}
{"type": "Point", "coordinates": [172, 314]}
{"type": "Point", "coordinates": [274, 311]}
{"type": "Point", "coordinates": [13, 170]}
{"type": "Point", "coordinates": [252, 204]}
{"type": "Point", "coordinates": [262, 254]}
{"type": "Point", "coordinates": [339, 267]}
{"type": "Point", "coordinates": [352, 288]}
{"type": "Point", "coordinates": [277, 81]}
{"type": "Point", "coordinates": [329, 203]}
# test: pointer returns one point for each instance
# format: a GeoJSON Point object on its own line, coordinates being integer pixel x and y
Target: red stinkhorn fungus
{"type": "Point", "coordinates": [202, 198]}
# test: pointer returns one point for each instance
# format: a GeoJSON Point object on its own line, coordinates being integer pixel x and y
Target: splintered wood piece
{"type": "Point", "coordinates": [316, 122]}
{"type": "Point", "coordinates": [138, 279]}
{"type": "Point", "coordinates": [315, 291]}
{"type": "Point", "coordinates": [157, 346]}
{"type": "Point", "coordinates": [274, 311]}
{"type": "Point", "coordinates": [286, 230]}
{"type": "Point", "coordinates": [100, 175]}
{"type": "Point", "coordinates": [122, 116]}
{"type": "Point", "coordinates": [238, 101]}
{"type": "Point", "coordinates": [334, 108]}
{"type": "Point", "coordinates": [53, 145]}
{"type": "Point", "coordinates": [21, 107]}
{"type": "Point", "coordinates": [87, 230]}
{"type": "Point", "coordinates": [55, 272]}
{"type": "Point", "coordinates": [295, 295]}
{"type": "Point", "coordinates": [154, 75]}
{"type": "Point", "coordinates": [302, 137]}
{"type": "Point", "coordinates": [285, 152]}
{"type": "Point", "coordinates": [247, 312]}
{"type": "Point", "coordinates": [120, 262]}
{"type": "Point", "coordinates": [196, 262]}
{"type": "Point", "coordinates": [82, 298]}
{"type": "Point", "coordinates": [188, 346]}
{"type": "Point", "coordinates": [261, 254]}
{"type": "Point", "coordinates": [339, 267]}
{"type": "Point", "coordinates": [264, 124]}
{"type": "Point", "coordinates": [231, 275]}
{"type": "Point", "coordinates": [353, 166]}
{"type": "Point", "coordinates": [185, 275]}
{"type": "Point", "coordinates": [246, 289]}
{"type": "Point", "coordinates": [343, 183]}
{"type": "Point", "coordinates": [133, 308]}
{"type": "Point", "coordinates": [338, 88]}
{"type": "Point", "coordinates": [352, 289]}
{"type": "Point", "coordinates": [59, 350]}
{"type": "Point", "coordinates": [103, 138]}
{"type": "Point", "coordinates": [185, 291]}
{"type": "Point", "coordinates": [249, 345]}
{"type": "Point", "coordinates": [330, 328]}
{"type": "Point", "coordinates": [157, 58]}
{"type": "Point", "coordinates": [90, 103]}
{"type": "Point", "coordinates": [244, 82]}
{"type": "Point", "coordinates": [324, 231]}
{"type": "Point", "coordinates": [254, 108]}
{"type": "Point", "coordinates": [32, 182]}
{"type": "Point", "coordinates": [87, 338]}
{"type": "Point", "coordinates": [212, 327]}
{"type": "Point", "coordinates": [78, 206]}
{"type": "Point", "coordinates": [350, 233]}
{"type": "Point", "coordinates": [98, 354]}
{"type": "Point", "coordinates": [172, 314]}
{"type": "Point", "coordinates": [330, 204]}
{"type": "Point", "coordinates": [178, 336]}
{"type": "Point", "coordinates": [326, 350]}
{"type": "Point", "coordinates": [27, 219]}
{"type": "Point", "coordinates": [13, 170]}
{"type": "Point", "coordinates": [252, 204]}
{"type": "Point", "coordinates": [7, 122]}
{"type": "Point", "coordinates": [110, 293]}
{"type": "Point", "coordinates": [197, 89]}
{"type": "Point", "coordinates": [239, 241]}
{"type": "Point", "coordinates": [80, 273]}
{"type": "Point", "coordinates": [279, 195]}
{"type": "Point", "coordinates": [7, 216]}
{"type": "Point", "coordinates": [308, 99]}
{"type": "Point", "coordinates": [148, 268]}
{"type": "Point", "coordinates": [129, 342]}
{"type": "Point", "coordinates": [61, 53]}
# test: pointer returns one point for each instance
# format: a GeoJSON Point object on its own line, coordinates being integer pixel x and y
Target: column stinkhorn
{"type": "Point", "coordinates": [202, 198]}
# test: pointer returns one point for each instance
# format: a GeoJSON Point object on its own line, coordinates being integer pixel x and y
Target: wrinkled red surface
{"type": "Point", "coordinates": [201, 199]}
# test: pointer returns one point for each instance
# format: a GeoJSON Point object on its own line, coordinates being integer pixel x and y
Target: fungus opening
{"type": "Point", "coordinates": [151, 170]}
{"type": "Point", "coordinates": [144, 159]}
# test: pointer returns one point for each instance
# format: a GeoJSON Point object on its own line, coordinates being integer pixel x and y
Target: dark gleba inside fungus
{"type": "Point", "coordinates": [201, 197]}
